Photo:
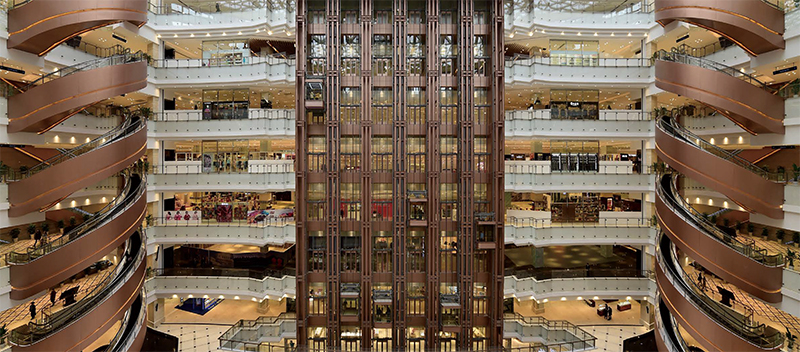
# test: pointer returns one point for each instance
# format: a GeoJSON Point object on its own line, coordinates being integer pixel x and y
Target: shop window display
{"type": "Point", "coordinates": [228, 207]}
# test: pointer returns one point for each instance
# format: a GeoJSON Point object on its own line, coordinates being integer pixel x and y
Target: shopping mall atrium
{"type": "Point", "coordinates": [400, 175]}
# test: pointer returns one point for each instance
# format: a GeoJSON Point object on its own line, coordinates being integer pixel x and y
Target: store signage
{"type": "Point", "coordinates": [574, 104]}
{"type": "Point", "coordinates": [11, 69]}
{"type": "Point", "coordinates": [784, 70]}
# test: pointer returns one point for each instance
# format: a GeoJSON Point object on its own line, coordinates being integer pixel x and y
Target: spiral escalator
{"type": "Point", "coordinates": [748, 185]}
{"type": "Point", "coordinates": [76, 326]}
{"type": "Point", "coordinates": [43, 104]}
{"type": "Point", "coordinates": [668, 337]}
{"type": "Point", "coordinates": [755, 25]}
{"type": "Point", "coordinates": [733, 258]}
{"type": "Point", "coordinates": [35, 270]}
{"type": "Point", "coordinates": [742, 98]}
{"type": "Point", "coordinates": [54, 179]}
{"type": "Point", "coordinates": [38, 26]}
{"type": "Point", "coordinates": [714, 325]}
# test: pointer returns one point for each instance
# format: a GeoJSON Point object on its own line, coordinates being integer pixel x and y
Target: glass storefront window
{"type": "Point", "coordinates": [226, 104]}
{"type": "Point", "coordinates": [226, 52]}
{"type": "Point", "coordinates": [574, 104]}
{"type": "Point", "coordinates": [574, 52]}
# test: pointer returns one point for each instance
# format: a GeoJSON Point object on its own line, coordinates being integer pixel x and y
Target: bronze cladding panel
{"type": "Point", "coordinates": [94, 324]}
{"type": "Point", "coordinates": [42, 106]}
{"type": "Point", "coordinates": [757, 109]}
{"type": "Point", "coordinates": [61, 180]}
{"type": "Point", "coordinates": [40, 25]}
{"type": "Point", "coordinates": [49, 270]}
{"type": "Point", "coordinates": [752, 191]}
{"type": "Point", "coordinates": [704, 329]}
{"type": "Point", "coordinates": [752, 277]}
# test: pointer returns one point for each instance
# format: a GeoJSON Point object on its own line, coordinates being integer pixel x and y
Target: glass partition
{"type": "Point", "coordinates": [574, 52]}
{"type": "Point", "coordinates": [226, 104]}
{"type": "Point", "coordinates": [574, 104]}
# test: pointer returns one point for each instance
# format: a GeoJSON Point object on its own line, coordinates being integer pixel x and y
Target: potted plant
{"type": "Point", "coordinates": [85, 217]}
{"type": "Point", "coordinates": [765, 233]}
{"type": "Point", "coordinates": [781, 173]}
{"type": "Point", "coordinates": [796, 239]}
{"type": "Point", "coordinates": [15, 234]}
{"type": "Point", "coordinates": [31, 230]}
{"type": "Point", "coordinates": [45, 228]}
{"type": "Point", "coordinates": [713, 219]}
{"type": "Point", "coordinates": [72, 221]}
{"type": "Point", "coordinates": [738, 227]}
{"type": "Point", "coordinates": [779, 236]}
{"type": "Point", "coordinates": [23, 170]}
{"type": "Point", "coordinates": [653, 221]}
{"type": "Point", "coordinates": [796, 172]}
{"type": "Point", "coordinates": [60, 225]}
{"type": "Point", "coordinates": [750, 228]}
{"type": "Point", "coordinates": [148, 220]}
{"type": "Point", "coordinates": [726, 222]}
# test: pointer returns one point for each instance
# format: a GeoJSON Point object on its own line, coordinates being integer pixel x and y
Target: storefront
{"type": "Point", "coordinates": [574, 104]}
{"type": "Point", "coordinates": [226, 156]}
{"type": "Point", "coordinates": [546, 156]}
{"type": "Point", "coordinates": [226, 52]}
{"type": "Point", "coordinates": [227, 207]}
{"type": "Point", "coordinates": [226, 104]}
{"type": "Point", "coordinates": [618, 208]}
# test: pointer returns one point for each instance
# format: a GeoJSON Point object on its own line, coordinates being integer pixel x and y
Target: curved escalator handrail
{"type": "Point", "coordinates": [668, 328]}
{"type": "Point", "coordinates": [124, 58]}
{"type": "Point", "coordinates": [668, 124]}
{"type": "Point", "coordinates": [130, 327]}
{"type": "Point", "coordinates": [35, 331]}
{"type": "Point", "coordinates": [134, 188]}
{"type": "Point", "coordinates": [738, 324]}
{"type": "Point", "coordinates": [711, 65]}
{"type": "Point", "coordinates": [129, 127]}
{"type": "Point", "coordinates": [694, 217]}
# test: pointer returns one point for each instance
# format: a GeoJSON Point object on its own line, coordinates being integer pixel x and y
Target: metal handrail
{"type": "Point", "coordinates": [268, 222]}
{"type": "Point", "coordinates": [210, 6]}
{"type": "Point", "coordinates": [88, 65]}
{"type": "Point", "coordinates": [582, 335]}
{"type": "Point", "coordinates": [129, 127]}
{"type": "Point", "coordinates": [599, 62]}
{"type": "Point", "coordinates": [669, 125]}
{"type": "Point", "coordinates": [616, 8]}
{"type": "Point", "coordinates": [578, 273]}
{"type": "Point", "coordinates": [202, 63]}
{"type": "Point", "coordinates": [259, 274]}
{"type": "Point", "coordinates": [711, 65]}
{"type": "Point", "coordinates": [740, 324]}
{"type": "Point", "coordinates": [673, 337]}
{"type": "Point", "coordinates": [548, 223]}
{"type": "Point", "coordinates": [33, 332]}
{"type": "Point", "coordinates": [99, 51]}
{"type": "Point", "coordinates": [679, 206]}
{"type": "Point", "coordinates": [110, 211]}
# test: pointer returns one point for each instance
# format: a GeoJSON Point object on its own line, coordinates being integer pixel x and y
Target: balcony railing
{"type": "Point", "coordinates": [199, 115]}
{"type": "Point", "coordinates": [557, 273]}
{"type": "Point", "coordinates": [203, 63]}
{"type": "Point", "coordinates": [267, 222]}
{"type": "Point", "coordinates": [587, 62]}
{"type": "Point", "coordinates": [548, 223]}
{"type": "Point", "coordinates": [227, 272]}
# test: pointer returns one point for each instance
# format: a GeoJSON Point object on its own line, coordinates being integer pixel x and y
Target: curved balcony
{"type": "Point", "coordinates": [56, 178]}
{"type": "Point", "coordinates": [38, 26]}
{"type": "Point", "coordinates": [77, 326]}
{"type": "Point", "coordinates": [736, 259]}
{"type": "Point", "coordinates": [55, 97]}
{"type": "Point", "coordinates": [743, 182]}
{"type": "Point", "coordinates": [668, 338]}
{"type": "Point", "coordinates": [740, 97]}
{"type": "Point", "coordinates": [755, 25]}
{"type": "Point", "coordinates": [715, 326]}
{"type": "Point", "coordinates": [229, 282]}
{"type": "Point", "coordinates": [33, 271]}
